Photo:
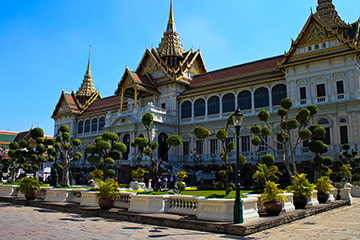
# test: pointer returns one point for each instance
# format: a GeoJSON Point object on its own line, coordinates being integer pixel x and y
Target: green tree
{"type": "Point", "coordinates": [293, 132]}
{"type": "Point", "coordinates": [65, 147]}
{"type": "Point", "coordinates": [30, 155]}
{"type": "Point", "coordinates": [320, 164]}
{"type": "Point", "coordinates": [147, 147]}
{"type": "Point", "coordinates": [104, 152]}
{"type": "Point", "coordinates": [227, 147]}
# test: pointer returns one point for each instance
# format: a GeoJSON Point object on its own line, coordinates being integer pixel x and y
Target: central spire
{"type": "Point", "coordinates": [170, 45]}
{"type": "Point", "coordinates": [87, 87]}
{"type": "Point", "coordinates": [326, 11]}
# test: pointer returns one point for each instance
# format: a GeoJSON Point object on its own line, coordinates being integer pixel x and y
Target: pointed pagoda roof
{"type": "Point", "coordinates": [327, 13]}
{"type": "Point", "coordinates": [170, 44]}
{"type": "Point", "coordinates": [87, 87]}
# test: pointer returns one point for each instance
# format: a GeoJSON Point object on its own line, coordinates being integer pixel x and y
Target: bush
{"type": "Point", "coordinates": [268, 160]}
{"type": "Point", "coordinates": [219, 185]}
{"type": "Point", "coordinates": [181, 186]}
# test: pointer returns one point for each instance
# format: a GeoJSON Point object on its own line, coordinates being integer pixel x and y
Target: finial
{"type": "Point", "coordinates": [311, 10]}
{"type": "Point", "coordinates": [171, 17]}
{"type": "Point", "coordinates": [88, 71]}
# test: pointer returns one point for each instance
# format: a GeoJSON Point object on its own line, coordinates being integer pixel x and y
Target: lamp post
{"type": "Point", "coordinates": [238, 212]}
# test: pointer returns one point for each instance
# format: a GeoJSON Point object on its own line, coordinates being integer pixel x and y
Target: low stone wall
{"type": "Point", "coordinates": [355, 191]}
{"type": "Point", "coordinates": [182, 204]}
{"type": "Point", "coordinates": [9, 190]}
{"type": "Point", "coordinates": [89, 199]}
{"type": "Point", "coordinates": [223, 209]}
{"type": "Point", "coordinates": [149, 203]}
{"type": "Point", "coordinates": [124, 199]}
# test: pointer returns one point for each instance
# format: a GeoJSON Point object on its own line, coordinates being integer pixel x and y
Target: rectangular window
{"type": "Point", "coordinates": [245, 144]}
{"type": "Point", "coordinates": [344, 135]}
{"type": "Point", "coordinates": [199, 147]}
{"type": "Point", "coordinates": [321, 90]}
{"type": "Point", "coordinates": [316, 46]}
{"type": "Point", "coordinates": [163, 105]}
{"type": "Point", "coordinates": [340, 87]}
{"type": "Point", "coordinates": [185, 148]}
{"type": "Point", "coordinates": [213, 146]}
{"type": "Point", "coordinates": [327, 136]}
{"type": "Point", "coordinates": [303, 93]}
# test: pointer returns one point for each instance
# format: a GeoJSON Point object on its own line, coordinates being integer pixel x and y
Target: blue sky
{"type": "Point", "coordinates": [44, 45]}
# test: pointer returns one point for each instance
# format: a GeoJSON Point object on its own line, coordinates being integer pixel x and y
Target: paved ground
{"type": "Point", "coordinates": [21, 222]}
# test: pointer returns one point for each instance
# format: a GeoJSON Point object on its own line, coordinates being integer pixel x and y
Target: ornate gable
{"type": "Point", "coordinates": [315, 40]}
{"type": "Point", "coordinates": [66, 105]}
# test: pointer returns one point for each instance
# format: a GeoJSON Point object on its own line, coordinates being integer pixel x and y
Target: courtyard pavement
{"type": "Point", "coordinates": [24, 222]}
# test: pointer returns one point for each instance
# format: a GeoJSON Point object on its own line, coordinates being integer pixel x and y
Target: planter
{"type": "Point", "coordinates": [273, 208]}
{"type": "Point", "coordinates": [322, 197]}
{"type": "Point", "coordinates": [300, 202]}
{"type": "Point", "coordinates": [106, 204]}
{"type": "Point", "coordinates": [346, 194]}
{"type": "Point", "coordinates": [31, 196]}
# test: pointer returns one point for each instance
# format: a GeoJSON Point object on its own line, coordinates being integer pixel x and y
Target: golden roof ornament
{"type": "Point", "coordinates": [326, 11]}
{"type": "Point", "coordinates": [170, 45]}
{"type": "Point", "coordinates": [87, 87]}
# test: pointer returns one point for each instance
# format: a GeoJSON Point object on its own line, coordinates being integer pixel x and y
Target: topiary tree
{"type": "Point", "coordinates": [147, 147]}
{"type": "Point", "coordinates": [106, 150]}
{"type": "Point", "coordinates": [29, 155]}
{"type": "Point", "coordinates": [349, 163]}
{"type": "Point", "coordinates": [281, 142]}
{"type": "Point", "coordinates": [320, 164]}
{"type": "Point", "coordinates": [227, 147]}
{"type": "Point", "coordinates": [65, 148]}
{"type": "Point", "coordinates": [266, 171]}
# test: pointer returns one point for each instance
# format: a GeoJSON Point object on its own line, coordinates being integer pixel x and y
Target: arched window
{"type": "Point", "coordinates": [199, 108]}
{"type": "Point", "coordinates": [101, 123]}
{"type": "Point", "coordinates": [80, 127]}
{"type": "Point", "coordinates": [261, 97]}
{"type": "Point", "coordinates": [278, 94]}
{"type": "Point", "coordinates": [87, 126]}
{"type": "Point", "coordinates": [186, 109]}
{"type": "Point", "coordinates": [244, 100]}
{"type": "Point", "coordinates": [228, 103]}
{"type": "Point", "coordinates": [213, 105]}
{"type": "Point", "coordinates": [94, 125]}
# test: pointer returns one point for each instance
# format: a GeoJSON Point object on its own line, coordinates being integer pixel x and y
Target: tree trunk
{"type": "Point", "coordinates": [65, 176]}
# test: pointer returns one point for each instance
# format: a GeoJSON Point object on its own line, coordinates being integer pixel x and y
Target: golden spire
{"type": "Point", "coordinates": [87, 87]}
{"type": "Point", "coordinates": [326, 11]}
{"type": "Point", "coordinates": [170, 45]}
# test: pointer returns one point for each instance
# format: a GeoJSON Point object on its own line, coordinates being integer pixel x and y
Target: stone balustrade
{"type": "Point", "coordinates": [223, 209]}
{"type": "Point", "coordinates": [149, 203]}
{"type": "Point", "coordinates": [288, 205]}
{"type": "Point", "coordinates": [182, 204]}
{"type": "Point", "coordinates": [9, 190]}
{"type": "Point", "coordinates": [42, 192]}
{"type": "Point", "coordinates": [124, 199]}
{"type": "Point", "coordinates": [346, 194]}
{"type": "Point", "coordinates": [355, 191]}
{"type": "Point", "coordinates": [75, 195]}
{"type": "Point", "coordinates": [57, 195]}
{"type": "Point", "coordinates": [89, 199]}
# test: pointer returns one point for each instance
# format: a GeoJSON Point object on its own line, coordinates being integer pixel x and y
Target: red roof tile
{"type": "Point", "coordinates": [239, 70]}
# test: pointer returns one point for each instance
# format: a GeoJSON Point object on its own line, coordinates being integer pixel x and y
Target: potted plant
{"type": "Point", "coordinates": [302, 189]}
{"type": "Point", "coordinates": [323, 187]}
{"type": "Point", "coordinates": [108, 191]}
{"type": "Point", "coordinates": [272, 204]}
{"type": "Point", "coordinates": [29, 187]}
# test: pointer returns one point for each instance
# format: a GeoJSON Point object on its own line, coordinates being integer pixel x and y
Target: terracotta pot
{"type": "Point", "coordinates": [322, 197]}
{"type": "Point", "coordinates": [106, 204]}
{"type": "Point", "coordinates": [300, 202]}
{"type": "Point", "coordinates": [30, 196]}
{"type": "Point", "coordinates": [273, 208]}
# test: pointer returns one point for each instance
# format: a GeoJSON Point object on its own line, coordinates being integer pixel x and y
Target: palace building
{"type": "Point", "coordinates": [322, 67]}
